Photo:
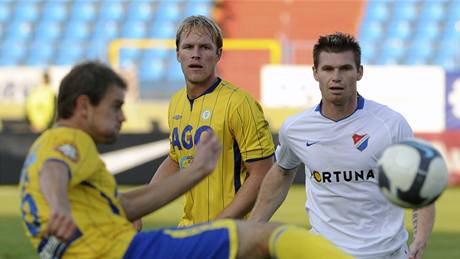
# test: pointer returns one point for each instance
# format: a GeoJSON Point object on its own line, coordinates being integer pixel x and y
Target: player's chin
{"type": "Point", "coordinates": [111, 138]}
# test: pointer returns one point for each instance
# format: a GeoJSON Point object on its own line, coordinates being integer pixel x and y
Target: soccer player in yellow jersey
{"type": "Point", "coordinates": [71, 207]}
{"type": "Point", "coordinates": [207, 102]}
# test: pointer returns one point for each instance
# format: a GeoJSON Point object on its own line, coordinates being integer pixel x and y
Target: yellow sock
{"type": "Point", "coordinates": [288, 242]}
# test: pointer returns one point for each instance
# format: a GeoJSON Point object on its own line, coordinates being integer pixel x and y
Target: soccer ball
{"type": "Point", "coordinates": [412, 173]}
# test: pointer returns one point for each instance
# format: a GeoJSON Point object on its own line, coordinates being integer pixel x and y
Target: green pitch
{"type": "Point", "coordinates": [444, 242]}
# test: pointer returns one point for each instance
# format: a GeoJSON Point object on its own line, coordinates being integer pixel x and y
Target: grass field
{"type": "Point", "coordinates": [444, 242]}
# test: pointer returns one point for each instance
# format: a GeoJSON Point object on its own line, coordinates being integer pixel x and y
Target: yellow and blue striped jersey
{"type": "Point", "coordinates": [92, 191]}
{"type": "Point", "coordinates": [238, 121]}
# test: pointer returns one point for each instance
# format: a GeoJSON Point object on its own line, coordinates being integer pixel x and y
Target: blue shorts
{"type": "Point", "coordinates": [216, 239]}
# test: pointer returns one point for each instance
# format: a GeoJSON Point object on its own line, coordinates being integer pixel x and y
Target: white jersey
{"type": "Point", "coordinates": [344, 202]}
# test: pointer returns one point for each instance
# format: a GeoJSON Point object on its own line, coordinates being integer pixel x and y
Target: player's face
{"type": "Point", "coordinates": [198, 55]}
{"type": "Point", "coordinates": [337, 75]}
{"type": "Point", "coordinates": [105, 119]}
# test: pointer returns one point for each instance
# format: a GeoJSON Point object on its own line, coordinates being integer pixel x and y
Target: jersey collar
{"type": "Point", "coordinates": [359, 106]}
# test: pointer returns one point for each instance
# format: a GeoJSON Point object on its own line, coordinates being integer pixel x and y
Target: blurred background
{"type": "Point", "coordinates": [410, 52]}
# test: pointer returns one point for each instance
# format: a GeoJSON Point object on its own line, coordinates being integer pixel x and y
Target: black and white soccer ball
{"type": "Point", "coordinates": [412, 173]}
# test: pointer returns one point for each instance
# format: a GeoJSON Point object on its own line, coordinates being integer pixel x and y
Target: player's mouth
{"type": "Point", "coordinates": [336, 89]}
{"type": "Point", "coordinates": [195, 66]}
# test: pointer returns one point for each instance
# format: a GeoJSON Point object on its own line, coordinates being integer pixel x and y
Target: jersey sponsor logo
{"type": "Point", "coordinates": [360, 141]}
{"type": "Point", "coordinates": [69, 151]}
{"type": "Point", "coordinates": [187, 137]}
{"type": "Point", "coordinates": [343, 176]}
{"type": "Point", "coordinates": [311, 142]}
{"type": "Point", "coordinates": [206, 115]}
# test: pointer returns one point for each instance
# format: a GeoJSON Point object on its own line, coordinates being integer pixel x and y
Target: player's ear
{"type": "Point", "coordinates": [82, 105]}
{"type": "Point", "coordinates": [360, 72]}
{"type": "Point", "coordinates": [177, 56]}
{"type": "Point", "coordinates": [219, 53]}
{"type": "Point", "coordinates": [315, 72]}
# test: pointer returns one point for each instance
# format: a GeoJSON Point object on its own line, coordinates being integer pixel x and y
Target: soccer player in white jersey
{"type": "Point", "coordinates": [339, 142]}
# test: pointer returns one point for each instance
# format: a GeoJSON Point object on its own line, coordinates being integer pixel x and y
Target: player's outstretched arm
{"type": "Point", "coordinates": [272, 193]}
{"type": "Point", "coordinates": [54, 179]}
{"type": "Point", "coordinates": [246, 196]}
{"type": "Point", "coordinates": [422, 221]}
{"type": "Point", "coordinates": [145, 200]}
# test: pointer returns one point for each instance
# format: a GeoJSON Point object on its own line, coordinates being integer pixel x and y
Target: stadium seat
{"type": "Point", "coordinates": [18, 30]}
{"type": "Point", "coordinates": [174, 72]}
{"type": "Point", "coordinates": [47, 30]}
{"type": "Point", "coordinates": [40, 54]}
{"type": "Point", "coordinates": [83, 10]}
{"type": "Point", "coordinates": [68, 53]}
{"type": "Point", "coordinates": [54, 11]}
{"type": "Point", "coordinates": [5, 12]}
{"type": "Point", "coordinates": [76, 30]}
{"type": "Point", "coordinates": [391, 53]}
{"type": "Point", "coordinates": [369, 52]}
{"type": "Point", "coordinates": [151, 69]}
{"type": "Point", "coordinates": [97, 49]}
{"type": "Point", "coordinates": [399, 30]}
{"type": "Point", "coordinates": [377, 10]}
{"type": "Point", "coordinates": [140, 11]}
{"type": "Point", "coordinates": [128, 57]}
{"type": "Point", "coordinates": [169, 10]}
{"type": "Point", "coordinates": [371, 31]}
{"type": "Point", "coordinates": [11, 52]}
{"type": "Point", "coordinates": [162, 30]}
{"type": "Point", "coordinates": [156, 53]}
{"type": "Point", "coordinates": [105, 30]}
{"type": "Point", "coordinates": [419, 53]}
{"type": "Point", "coordinates": [133, 30]}
{"type": "Point", "coordinates": [111, 10]}
{"type": "Point", "coordinates": [26, 11]}
{"type": "Point", "coordinates": [453, 11]}
{"type": "Point", "coordinates": [432, 10]}
{"type": "Point", "coordinates": [405, 10]}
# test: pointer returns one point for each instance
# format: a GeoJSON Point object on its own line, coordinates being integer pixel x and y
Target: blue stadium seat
{"type": "Point", "coordinates": [427, 30]}
{"type": "Point", "coordinates": [128, 57]}
{"type": "Point", "coordinates": [105, 30]}
{"type": "Point", "coordinates": [26, 11]}
{"type": "Point", "coordinates": [111, 10]}
{"type": "Point", "coordinates": [169, 11]}
{"type": "Point", "coordinates": [5, 12]}
{"type": "Point", "coordinates": [47, 30]}
{"type": "Point", "coordinates": [76, 30]}
{"type": "Point", "coordinates": [133, 30]}
{"type": "Point", "coordinates": [97, 49]}
{"type": "Point", "coordinates": [405, 10]}
{"type": "Point", "coordinates": [156, 53]}
{"type": "Point", "coordinates": [151, 69]}
{"type": "Point", "coordinates": [377, 10]}
{"type": "Point", "coordinates": [432, 10]}
{"type": "Point", "coordinates": [68, 53]}
{"type": "Point", "coordinates": [198, 8]}
{"type": "Point", "coordinates": [371, 30]}
{"type": "Point", "coordinates": [368, 53]}
{"type": "Point", "coordinates": [399, 30]}
{"type": "Point", "coordinates": [140, 10]}
{"type": "Point", "coordinates": [162, 30]}
{"type": "Point", "coordinates": [54, 11]}
{"type": "Point", "coordinates": [419, 53]}
{"type": "Point", "coordinates": [19, 30]}
{"type": "Point", "coordinates": [174, 71]}
{"type": "Point", "coordinates": [453, 11]}
{"type": "Point", "coordinates": [83, 10]}
{"type": "Point", "coordinates": [40, 53]}
{"type": "Point", "coordinates": [391, 53]}
{"type": "Point", "coordinates": [11, 52]}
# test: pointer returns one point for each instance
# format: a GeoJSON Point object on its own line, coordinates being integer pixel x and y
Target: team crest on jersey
{"type": "Point", "coordinates": [206, 115]}
{"type": "Point", "coordinates": [69, 151]}
{"type": "Point", "coordinates": [360, 141]}
{"type": "Point", "coordinates": [177, 117]}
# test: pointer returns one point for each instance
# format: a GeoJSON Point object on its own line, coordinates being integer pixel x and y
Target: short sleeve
{"type": "Point", "coordinates": [251, 131]}
{"type": "Point", "coordinates": [285, 157]}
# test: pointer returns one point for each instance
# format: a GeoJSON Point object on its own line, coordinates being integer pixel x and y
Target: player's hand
{"type": "Point", "coordinates": [61, 225]}
{"type": "Point", "coordinates": [206, 153]}
{"type": "Point", "coordinates": [137, 224]}
{"type": "Point", "coordinates": [416, 249]}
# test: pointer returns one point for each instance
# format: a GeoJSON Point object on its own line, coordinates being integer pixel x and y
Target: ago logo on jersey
{"type": "Point", "coordinates": [187, 137]}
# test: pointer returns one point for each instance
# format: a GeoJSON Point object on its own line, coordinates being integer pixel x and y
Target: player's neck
{"type": "Point", "coordinates": [337, 112]}
{"type": "Point", "coordinates": [194, 90]}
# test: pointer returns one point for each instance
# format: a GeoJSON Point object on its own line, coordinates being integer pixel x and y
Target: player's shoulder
{"type": "Point", "coordinates": [381, 111]}
{"type": "Point", "coordinates": [300, 118]}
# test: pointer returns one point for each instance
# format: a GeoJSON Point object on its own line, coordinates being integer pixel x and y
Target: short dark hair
{"type": "Point", "coordinates": [337, 42]}
{"type": "Point", "coordinates": [202, 23]}
{"type": "Point", "coordinates": [91, 78]}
